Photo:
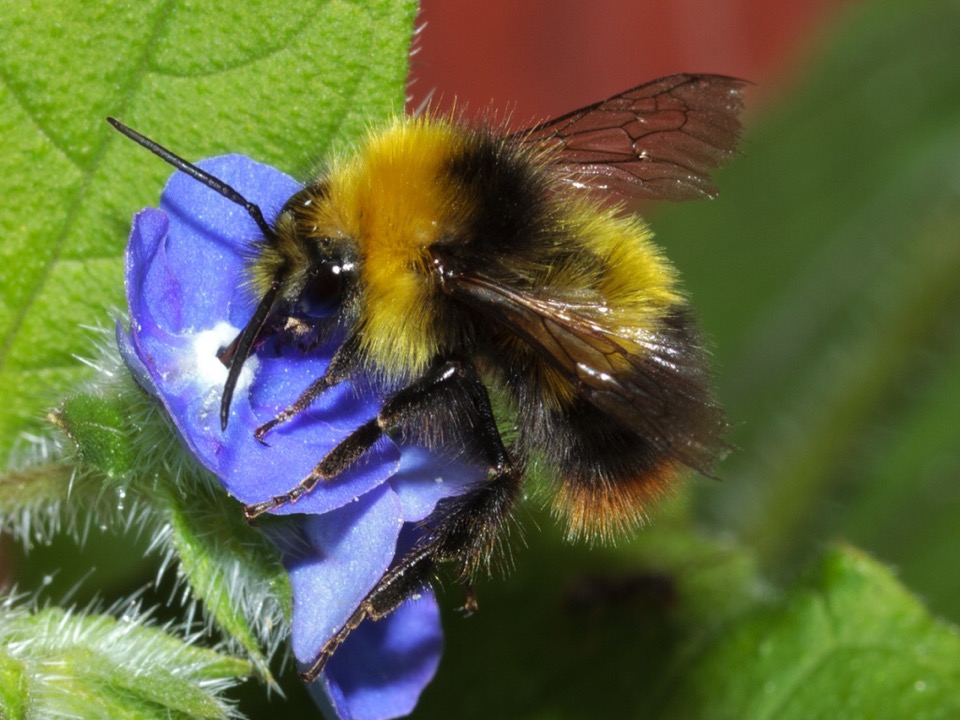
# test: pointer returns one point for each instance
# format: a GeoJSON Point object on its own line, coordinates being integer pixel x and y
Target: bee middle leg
{"type": "Point", "coordinates": [452, 378]}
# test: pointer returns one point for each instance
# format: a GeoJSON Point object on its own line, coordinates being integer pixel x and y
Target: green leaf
{"type": "Point", "coordinates": [278, 82]}
{"type": "Point", "coordinates": [850, 642]}
{"type": "Point", "coordinates": [578, 632]}
{"type": "Point", "coordinates": [61, 663]}
{"type": "Point", "coordinates": [677, 626]}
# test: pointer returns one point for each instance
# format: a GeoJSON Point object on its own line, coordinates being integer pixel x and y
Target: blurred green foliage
{"type": "Point", "coordinates": [826, 274]}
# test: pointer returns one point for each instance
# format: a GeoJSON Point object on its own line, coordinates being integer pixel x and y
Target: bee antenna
{"type": "Point", "coordinates": [238, 351]}
{"type": "Point", "coordinates": [212, 182]}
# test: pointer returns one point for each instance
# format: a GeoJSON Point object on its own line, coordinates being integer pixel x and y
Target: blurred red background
{"type": "Point", "coordinates": [540, 58]}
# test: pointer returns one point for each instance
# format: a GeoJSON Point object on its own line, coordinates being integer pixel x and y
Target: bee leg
{"type": "Point", "coordinates": [410, 403]}
{"type": "Point", "coordinates": [342, 365]}
{"type": "Point", "coordinates": [462, 530]}
{"type": "Point", "coordinates": [470, 604]}
{"type": "Point", "coordinates": [402, 581]}
{"type": "Point", "coordinates": [333, 463]}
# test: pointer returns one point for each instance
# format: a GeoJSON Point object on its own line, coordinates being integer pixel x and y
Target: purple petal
{"type": "Point", "coordinates": [384, 666]}
{"type": "Point", "coordinates": [349, 551]}
{"type": "Point", "coordinates": [206, 252]}
{"type": "Point", "coordinates": [424, 478]}
{"type": "Point", "coordinates": [146, 240]}
{"type": "Point", "coordinates": [133, 362]}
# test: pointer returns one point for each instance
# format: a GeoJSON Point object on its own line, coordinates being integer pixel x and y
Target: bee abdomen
{"type": "Point", "coordinates": [614, 460]}
{"type": "Point", "coordinates": [609, 477]}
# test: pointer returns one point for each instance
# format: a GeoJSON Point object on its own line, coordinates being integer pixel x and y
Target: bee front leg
{"type": "Point", "coordinates": [342, 365]}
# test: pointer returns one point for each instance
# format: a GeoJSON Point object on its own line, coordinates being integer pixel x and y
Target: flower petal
{"type": "Point", "coordinates": [384, 666]}
{"type": "Point", "coordinates": [348, 551]}
{"type": "Point", "coordinates": [424, 478]}
{"type": "Point", "coordinates": [143, 282]}
{"type": "Point", "coordinates": [182, 313]}
{"type": "Point", "coordinates": [210, 237]}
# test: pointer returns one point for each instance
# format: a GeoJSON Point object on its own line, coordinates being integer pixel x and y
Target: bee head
{"type": "Point", "coordinates": [314, 268]}
{"type": "Point", "coordinates": [303, 274]}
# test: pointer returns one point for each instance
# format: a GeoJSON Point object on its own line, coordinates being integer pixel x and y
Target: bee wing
{"type": "Point", "coordinates": [653, 383]}
{"type": "Point", "coordinates": [657, 141]}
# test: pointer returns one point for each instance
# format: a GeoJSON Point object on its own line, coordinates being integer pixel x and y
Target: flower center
{"type": "Point", "coordinates": [208, 372]}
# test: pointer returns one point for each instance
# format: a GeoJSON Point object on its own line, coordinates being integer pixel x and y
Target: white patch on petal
{"type": "Point", "coordinates": [208, 373]}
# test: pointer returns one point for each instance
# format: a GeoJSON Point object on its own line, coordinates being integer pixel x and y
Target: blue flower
{"type": "Point", "coordinates": [187, 298]}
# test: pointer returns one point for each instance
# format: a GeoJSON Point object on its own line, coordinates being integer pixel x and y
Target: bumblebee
{"type": "Point", "coordinates": [459, 261]}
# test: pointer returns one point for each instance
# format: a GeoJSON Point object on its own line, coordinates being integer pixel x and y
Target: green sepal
{"type": "Point", "coordinates": [13, 688]}
{"type": "Point", "coordinates": [234, 569]}
{"type": "Point", "coordinates": [98, 428]}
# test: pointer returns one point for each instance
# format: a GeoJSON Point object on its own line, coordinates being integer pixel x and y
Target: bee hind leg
{"type": "Point", "coordinates": [463, 530]}
{"type": "Point", "coordinates": [402, 581]}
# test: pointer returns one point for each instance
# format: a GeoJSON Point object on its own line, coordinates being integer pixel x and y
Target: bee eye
{"type": "Point", "coordinates": [322, 294]}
